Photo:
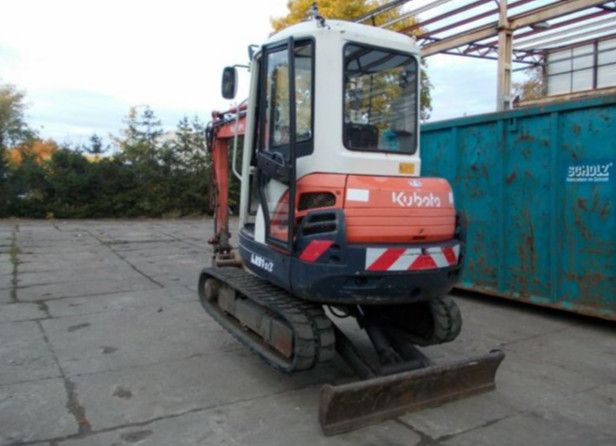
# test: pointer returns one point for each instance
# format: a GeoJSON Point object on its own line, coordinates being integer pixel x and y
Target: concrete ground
{"type": "Point", "coordinates": [103, 342]}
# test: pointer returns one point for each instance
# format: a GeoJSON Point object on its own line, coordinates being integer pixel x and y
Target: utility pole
{"type": "Point", "coordinates": [505, 33]}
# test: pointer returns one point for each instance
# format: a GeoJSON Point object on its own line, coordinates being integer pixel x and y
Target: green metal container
{"type": "Point", "coordinates": [538, 186]}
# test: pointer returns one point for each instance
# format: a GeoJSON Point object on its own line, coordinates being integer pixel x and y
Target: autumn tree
{"type": "Point", "coordinates": [37, 150]}
{"type": "Point", "coordinates": [349, 10]}
{"type": "Point", "coordinates": [153, 174]}
{"type": "Point", "coordinates": [330, 9]}
{"type": "Point", "coordinates": [533, 87]}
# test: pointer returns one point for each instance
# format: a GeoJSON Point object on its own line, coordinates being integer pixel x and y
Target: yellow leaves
{"type": "Point", "coordinates": [340, 10]}
{"type": "Point", "coordinates": [38, 150]}
{"type": "Point", "coordinates": [330, 9]}
{"type": "Point", "coordinates": [93, 158]}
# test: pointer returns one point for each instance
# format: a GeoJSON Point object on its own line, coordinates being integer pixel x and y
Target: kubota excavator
{"type": "Point", "coordinates": [333, 213]}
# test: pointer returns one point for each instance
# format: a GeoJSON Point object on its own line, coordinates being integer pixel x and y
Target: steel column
{"type": "Point", "coordinates": [505, 33]}
{"type": "Point", "coordinates": [518, 21]}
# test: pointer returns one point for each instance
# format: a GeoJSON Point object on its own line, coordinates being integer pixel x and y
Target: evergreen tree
{"type": "Point", "coordinates": [96, 147]}
{"type": "Point", "coordinates": [188, 187]}
{"type": "Point", "coordinates": [4, 191]}
{"type": "Point", "coordinates": [27, 187]}
{"type": "Point", "coordinates": [189, 144]}
{"type": "Point", "coordinates": [139, 142]}
{"type": "Point", "coordinates": [150, 161]}
{"type": "Point", "coordinates": [150, 176]}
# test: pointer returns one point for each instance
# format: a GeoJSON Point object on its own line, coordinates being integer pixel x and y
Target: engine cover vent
{"type": "Point", "coordinates": [312, 200]}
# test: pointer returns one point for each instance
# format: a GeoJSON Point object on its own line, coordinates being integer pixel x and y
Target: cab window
{"type": "Point", "coordinates": [275, 130]}
{"type": "Point", "coordinates": [380, 99]}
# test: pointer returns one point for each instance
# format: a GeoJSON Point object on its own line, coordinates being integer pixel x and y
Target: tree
{"type": "Point", "coordinates": [330, 9]}
{"type": "Point", "coordinates": [27, 186]}
{"type": "Point", "coordinates": [13, 127]}
{"type": "Point", "coordinates": [189, 144]}
{"type": "Point", "coordinates": [350, 10]}
{"type": "Point", "coordinates": [140, 138]}
{"type": "Point", "coordinates": [13, 130]}
{"type": "Point", "coordinates": [169, 171]}
{"type": "Point", "coordinates": [37, 149]}
{"type": "Point", "coordinates": [152, 175]}
{"type": "Point", "coordinates": [141, 148]}
{"type": "Point", "coordinates": [73, 190]}
{"type": "Point", "coordinates": [189, 169]}
{"type": "Point", "coordinates": [96, 148]}
{"type": "Point", "coordinates": [532, 88]}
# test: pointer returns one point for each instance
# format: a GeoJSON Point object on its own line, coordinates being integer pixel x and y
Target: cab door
{"type": "Point", "coordinates": [276, 143]}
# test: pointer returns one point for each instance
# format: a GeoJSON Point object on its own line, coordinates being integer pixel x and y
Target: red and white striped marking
{"type": "Point", "coordinates": [315, 249]}
{"type": "Point", "coordinates": [411, 259]}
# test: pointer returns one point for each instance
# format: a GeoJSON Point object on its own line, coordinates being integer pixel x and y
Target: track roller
{"type": "Point", "coordinates": [289, 334]}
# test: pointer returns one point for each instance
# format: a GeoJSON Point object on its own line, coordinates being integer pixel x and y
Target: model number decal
{"type": "Point", "coordinates": [416, 199]}
{"type": "Point", "coordinates": [262, 262]}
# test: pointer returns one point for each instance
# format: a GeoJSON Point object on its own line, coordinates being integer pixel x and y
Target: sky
{"type": "Point", "coordinates": [83, 64]}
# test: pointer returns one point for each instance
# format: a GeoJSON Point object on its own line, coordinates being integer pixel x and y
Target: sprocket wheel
{"type": "Point", "coordinates": [432, 322]}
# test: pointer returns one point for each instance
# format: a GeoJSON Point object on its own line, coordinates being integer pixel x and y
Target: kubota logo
{"type": "Point", "coordinates": [415, 183]}
{"type": "Point", "coordinates": [416, 199]}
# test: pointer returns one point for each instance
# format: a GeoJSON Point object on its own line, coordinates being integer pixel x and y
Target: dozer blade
{"type": "Point", "coordinates": [361, 403]}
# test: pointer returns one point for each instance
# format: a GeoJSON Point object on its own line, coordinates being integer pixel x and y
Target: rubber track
{"type": "Point", "coordinates": [447, 316]}
{"type": "Point", "coordinates": [314, 337]}
{"type": "Point", "coordinates": [447, 323]}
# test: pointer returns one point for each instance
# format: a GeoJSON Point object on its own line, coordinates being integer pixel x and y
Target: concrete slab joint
{"type": "Point", "coordinates": [103, 341]}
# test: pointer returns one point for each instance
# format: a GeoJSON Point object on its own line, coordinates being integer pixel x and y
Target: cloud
{"type": "Point", "coordinates": [83, 63]}
{"type": "Point", "coordinates": [107, 55]}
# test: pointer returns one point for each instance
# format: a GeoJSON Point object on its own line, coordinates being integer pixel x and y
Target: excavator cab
{"type": "Point", "coordinates": [333, 212]}
{"type": "Point", "coordinates": [332, 208]}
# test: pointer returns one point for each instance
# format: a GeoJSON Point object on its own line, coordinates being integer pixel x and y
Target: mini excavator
{"type": "Point", "coordinates": [333, 214]}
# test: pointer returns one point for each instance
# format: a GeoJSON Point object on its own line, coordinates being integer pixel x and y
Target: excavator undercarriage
{"type": "Point", "coordinates": [288, 333]}
{"type": "Point", "coordinates": [294, 335]}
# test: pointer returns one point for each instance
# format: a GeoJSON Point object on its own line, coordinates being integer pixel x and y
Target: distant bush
{"type": "Point", "coordinates": [146, 177]}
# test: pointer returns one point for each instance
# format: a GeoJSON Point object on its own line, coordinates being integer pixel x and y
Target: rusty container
{"type": "Point", "coordinates": [538, 186]}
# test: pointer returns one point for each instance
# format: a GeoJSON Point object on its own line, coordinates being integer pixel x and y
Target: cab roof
{"type": "Point", "coordinates": [348, 31]}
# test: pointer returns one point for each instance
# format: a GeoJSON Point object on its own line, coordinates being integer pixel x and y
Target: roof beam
{"type": "Point", "coordinates": [583, 42]}
{"type": "Point", "coordinates": [379, 10]}
{"type": "Point", "coordinates": [459, 40]}
{"type": "Point", "coordinates": [525, 59]}
{"type": "Point", "coordinates": [551, 11]}
{"type": "Point", "coordinates": [521, 43]}
{"type": "Point", "coordinates": [445, 15]}
{"type": "Point", "coordinates": [548, 43]}
{"type": "Point", "coordinates": [554, 26]}
{"type": "Point", "coordinates": [415, 12]}
{"type": "Point", "coordinates": [469, 19]}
